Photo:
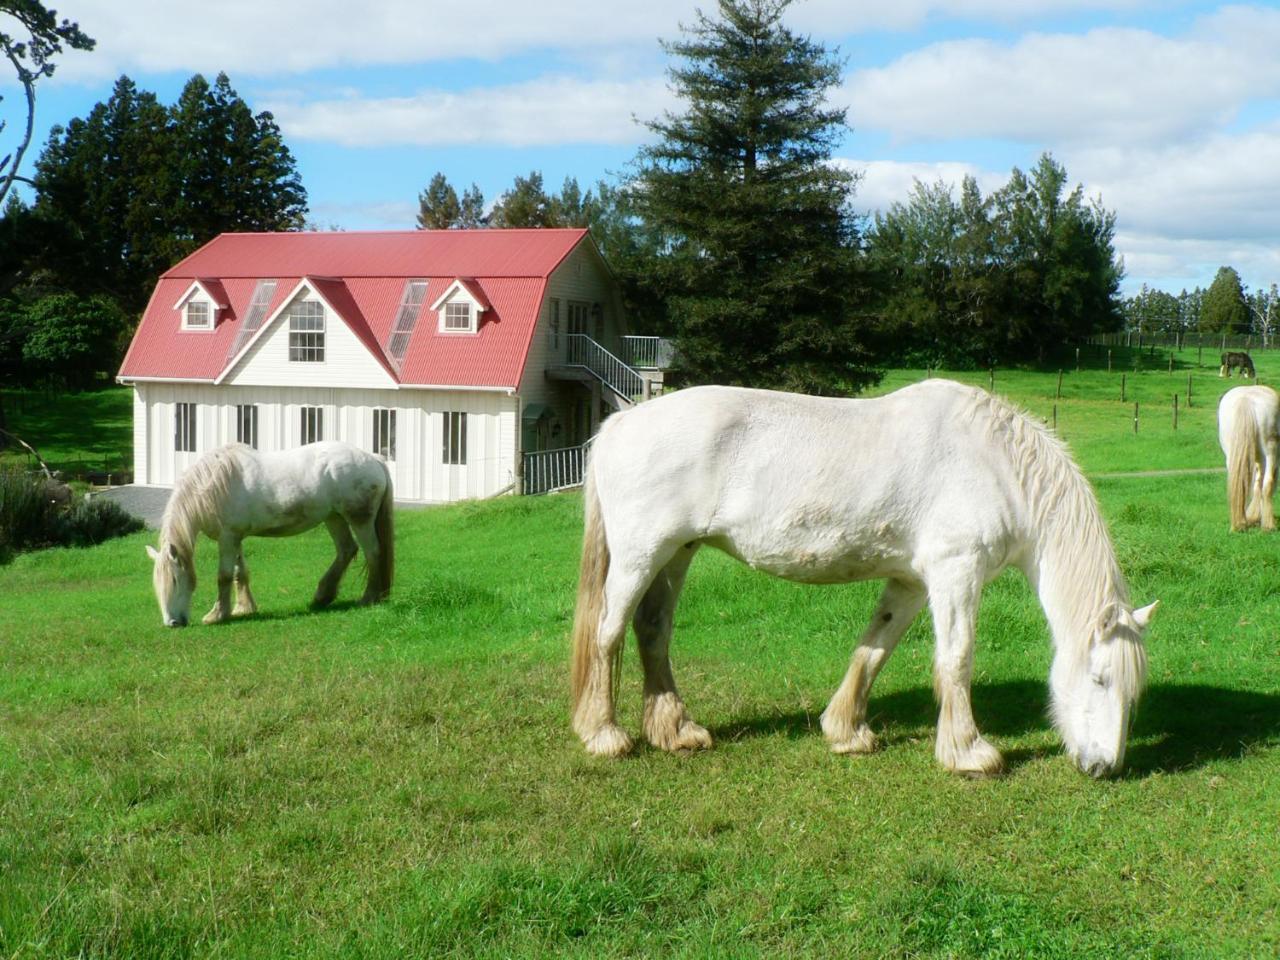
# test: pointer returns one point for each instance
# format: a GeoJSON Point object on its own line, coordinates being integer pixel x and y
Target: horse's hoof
{"type": "Point", "coordinates": [609, 741]}
{"type": "Point", "coordinates": [862, 740]}
{"type": "Point", "coordinates": [214, 616]}
{"type": "Point", "coordinates": [689, 737]}
{"type": "Point", "coordinates": [980, 760]}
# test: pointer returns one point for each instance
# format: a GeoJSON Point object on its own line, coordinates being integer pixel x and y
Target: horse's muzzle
{"type": "Point", "coordinates": [176, 622]}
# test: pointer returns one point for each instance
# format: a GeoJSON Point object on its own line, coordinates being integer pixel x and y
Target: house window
{"type": "Point", "coordinates": [306, 332]}
{"type": "Point", "coordinates": [457, 317]}
{"type": "Point", "coordinates": [312, 424]}
{"type": "Point", "coordinates": [197, 315]}
{"type": "Point", "coordinates": [247, 424]}
{"type": "Point", "coordinates": [554, 329]}
{"type": "Point", "coordinates": [384, 433]}
{"type": "Point", "coordinates": [454, 436]}
{"type": "Point", "coordinates": [184, 427]}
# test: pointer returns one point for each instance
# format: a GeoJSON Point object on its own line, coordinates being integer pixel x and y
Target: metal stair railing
{"type": "Point", "coordinates": [546, 471]}
{"type": "Point", "coordinates": [612, 372]}
{"type": "Point", "coordinates": [650, 353]}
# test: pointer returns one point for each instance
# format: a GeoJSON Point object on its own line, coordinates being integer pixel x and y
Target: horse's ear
{"type": "Point", "coordinates": [1143, 616]}
{"type": "Point", "coordinates": [153, 553]}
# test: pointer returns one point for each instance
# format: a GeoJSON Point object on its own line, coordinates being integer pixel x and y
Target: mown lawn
{"type": "Point", "coordinates": [73, 432]}
{"type": "Point", "coordinates": [403, 781]}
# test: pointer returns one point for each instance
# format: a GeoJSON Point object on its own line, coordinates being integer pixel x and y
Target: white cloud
{"type": "Point", "coordinates": [885, 182]}
{"type": "Point", "coordinates": [550, 111]}
{"type": "Point", "coordinates": [1102, 87]}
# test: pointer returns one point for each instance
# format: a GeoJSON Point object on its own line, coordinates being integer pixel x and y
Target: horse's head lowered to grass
{"type": "Point", "coordinates": [1094, 690]}
{"type": "Point", "coordinates": [175, 581]}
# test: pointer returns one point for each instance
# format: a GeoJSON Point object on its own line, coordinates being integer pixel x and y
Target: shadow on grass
{"type": "Point", "coordinates": [1177, 728]}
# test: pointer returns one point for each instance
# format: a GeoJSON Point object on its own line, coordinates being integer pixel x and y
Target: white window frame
{"type": "Point", "coordinates": [384, 432]}
{"type": "Point", "coordinates": [306, 331]}
{"type": "Point", "coordinates": [453, 437]}
{"type": "Point", "coordinates": [310, 425]}
{"type": "Point", "coordinates": [186, 421]}
{"type": "Point", "coordinates": [247, 424]}
{"type": "Point", "coordinates": [451, 310]}
{"type": "Point", "coordinates": [209, 314]}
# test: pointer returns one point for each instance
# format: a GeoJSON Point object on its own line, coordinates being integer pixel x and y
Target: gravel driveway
{"type": "Point", "coordinates": [145, 502]}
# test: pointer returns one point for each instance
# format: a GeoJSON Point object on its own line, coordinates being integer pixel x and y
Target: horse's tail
{"type": "Point", "coordinates": [384, 529]}
{"type": "Point", "coordinates": [1242, 462]}
{"type": "Point", "coordinates": [591, 578]}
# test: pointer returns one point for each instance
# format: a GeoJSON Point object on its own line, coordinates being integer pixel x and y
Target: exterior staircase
{"type": "Point", "coordinates": [623, 385]}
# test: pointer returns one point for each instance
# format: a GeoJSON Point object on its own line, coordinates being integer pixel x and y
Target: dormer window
{"type": "Point", "coordinates": [197, 315]}
{"type": "Point", "coordinates": [460, 305]}
{"type": "Point", "coordinates": [457, 317]}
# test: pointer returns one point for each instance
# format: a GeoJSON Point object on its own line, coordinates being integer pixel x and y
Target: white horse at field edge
{"type": "Point", "coordinates": [234, 492]}
{"type": "Point", "coordinates": [937, 487]}
{"type": "Point", "coordinates": [1248, 432]}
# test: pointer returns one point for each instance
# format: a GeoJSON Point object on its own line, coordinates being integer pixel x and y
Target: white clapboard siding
{"type": "Point", "coordinates": [140, 452]}
{"type": "Point", "coordinates": [347, 361]}
{"type": "Point", "coordinates": [418, 470]}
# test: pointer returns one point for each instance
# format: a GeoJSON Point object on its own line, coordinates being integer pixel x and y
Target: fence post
{"type": "Point", "coordinates": [993, 379]}
{"type": "Point", "coordinates": [1108, 361]}
{"type": "Point", "coordinates": [1175, 411]}
{"type": "Point", "coordinates": [1135, 417]}
{"type": "Point", "coordinates": [1055, 418]}
{"type": "Point", "coordinates": [1077, 360]}
{"type": "Point", "coordinates": [1188, 391]}
{"type": "Point", "coordinates": [1171, 364]}
{"type": "Point", "coordinates": [1058, 396]}
{"type": "Point", "coordinates": [1123, 378]}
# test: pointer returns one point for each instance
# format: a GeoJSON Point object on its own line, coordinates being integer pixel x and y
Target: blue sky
{"type": "Point", "coordinates": [1169, 111]}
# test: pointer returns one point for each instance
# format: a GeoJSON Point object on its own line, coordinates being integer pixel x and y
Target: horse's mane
{"type": "Point", "coordinates": [198, 496]}
{"type": "Point", "coordinates": [1073, 547]}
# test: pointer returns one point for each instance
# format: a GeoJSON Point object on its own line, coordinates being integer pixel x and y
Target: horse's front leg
{"type": "Point", "coordinates": [244, 599]}
{"type": "Point", "coordinates": [954, 591]}
{"type": "Point", "coordinates": [844, 722]}
{"type": "Point", "coordinates": [667, 723]}
{"type": "Point", "coordinates": [228, 550]}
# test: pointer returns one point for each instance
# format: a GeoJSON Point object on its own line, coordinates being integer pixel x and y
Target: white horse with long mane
{"type": "Point", "coordinates": [235, 492]}
{"type": "Point", "coordinates": [937, 487]}
{"type": "Point", "coordinates": [1249, 432]}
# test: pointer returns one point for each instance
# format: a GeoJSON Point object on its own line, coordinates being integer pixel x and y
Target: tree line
{"type": "Point", "coordinates": [1225, 307]}
{"type": "Point", "coordinates": [733, 230]}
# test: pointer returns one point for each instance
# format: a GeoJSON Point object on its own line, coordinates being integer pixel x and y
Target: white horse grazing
{"type": "Point", "coordinates": [235, 492]}
{"type": "Point", "coordinates": [1248, 431]}
{"type": "Point", "coordinates": [936, 487]}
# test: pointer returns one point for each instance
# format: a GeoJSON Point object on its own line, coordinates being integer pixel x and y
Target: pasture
{"type": "Point", "coordinates": [403, 780]}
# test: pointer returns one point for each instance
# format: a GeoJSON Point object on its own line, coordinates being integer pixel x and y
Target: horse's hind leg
{"type": "Point", "coordinates": [1267, 484]}
{"type": "Point", "coordinates": [374, 589]}
{"type": "Point", "coordinates": [595, 720]}
{"type": "Point", "coordinates": [954, 591]}
{"type": "Point", "coordinates": [844, 722]}
{"type": "Point", "coordinates": [667, 723]}
{"type": "Point", "coordinates": [345, 545]}
{"type": "Point", "coordinates": [244, 599]}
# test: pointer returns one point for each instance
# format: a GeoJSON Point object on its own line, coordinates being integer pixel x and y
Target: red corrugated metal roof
{"type": "Point", "coordinates": [362, 276]}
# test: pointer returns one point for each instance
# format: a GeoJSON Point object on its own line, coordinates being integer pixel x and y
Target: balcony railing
{"type": "Point", "coordinates": [648, 353]}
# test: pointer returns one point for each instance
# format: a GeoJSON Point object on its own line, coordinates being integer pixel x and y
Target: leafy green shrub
{"type": "Point", "coordinates": [31, 518]}
{"type": "Point", "coordinates": [26, 511]}
{"type": "Point", "coordinates": [89, 522]}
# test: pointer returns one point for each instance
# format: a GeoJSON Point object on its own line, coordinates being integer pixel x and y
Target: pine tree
{"type": "Point", "coordinates": [1224, 309]}
{"type": "Point", "coordinates": [438, 205]}
{"type": "Point", "coordinates": [753, 219]}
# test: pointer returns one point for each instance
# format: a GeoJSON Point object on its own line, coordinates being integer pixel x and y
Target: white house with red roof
{"type": "Point", "coordinates": [469, 359]}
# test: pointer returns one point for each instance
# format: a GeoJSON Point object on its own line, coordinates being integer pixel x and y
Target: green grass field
{"type": "Point", "coordinates": [402, 780]}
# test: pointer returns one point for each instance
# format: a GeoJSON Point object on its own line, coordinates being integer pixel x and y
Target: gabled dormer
{"type": "Point", "coordinates": [202, 305]}
{"type": "Point", "coordinates": [460, 307]}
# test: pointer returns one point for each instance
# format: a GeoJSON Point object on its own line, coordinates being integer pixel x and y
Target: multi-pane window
{"type": "Point", "coordinates": [454, 436]}
{"type": "Point", "coordinates": [407, 317]}
{"type": "Point", "coordinates": [384, 432]}
{"type": "Point", "coordinates": [306, 331]}
{"type": "Point", "coordinates": [457, 316]}
{"type": "Point", "coordinates": [312, 424]}
{"type": "Point", "coordinates": [198, 314]}
{"type": "Point", "coordinates": [553, 329]}
{"type": "Point", "coordinates": [184, 427]}
{"type": "Point", "coordinates": [247, 424]}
